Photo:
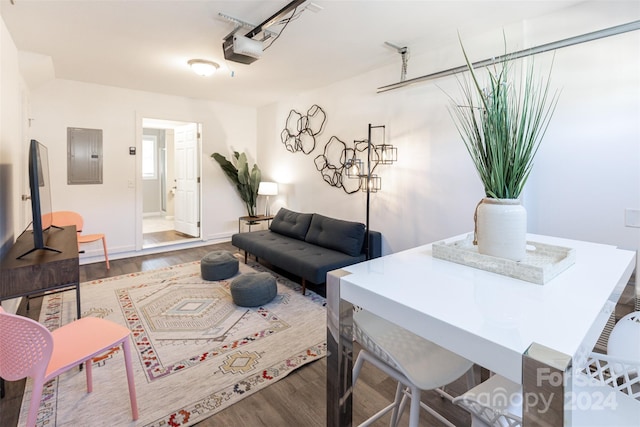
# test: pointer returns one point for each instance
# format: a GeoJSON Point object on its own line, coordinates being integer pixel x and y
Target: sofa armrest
{"type": "Point", "coordinates": [375, 243]}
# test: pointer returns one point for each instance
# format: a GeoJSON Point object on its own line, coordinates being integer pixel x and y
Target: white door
{"type": "Point", "coordinates": [187, 174]}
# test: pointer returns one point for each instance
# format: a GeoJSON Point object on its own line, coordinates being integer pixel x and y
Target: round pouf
{"type": "Point", "coordinates": [218, 265]}
{"type": "Point", "coordinates": [253, 289]}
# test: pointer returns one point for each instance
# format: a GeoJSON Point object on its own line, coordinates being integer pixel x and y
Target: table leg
{"type": "Point", "coordinates": [79, 311]}
{"type": "Point", "coordinates": [545, 383]}
{"type": "Point", "coordinates": [339, 354]}
{"type": "Point", "coordinates": [78, 300]}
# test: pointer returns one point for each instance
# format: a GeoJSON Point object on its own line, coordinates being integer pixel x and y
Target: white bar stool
{"type": "Point", "coordinates": [496, 402]}
{"type": "Point", "coordinates": [417, 364]}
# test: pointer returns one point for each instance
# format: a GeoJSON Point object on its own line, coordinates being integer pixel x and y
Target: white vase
{"type": "Point", "coordinates": [501, 228]}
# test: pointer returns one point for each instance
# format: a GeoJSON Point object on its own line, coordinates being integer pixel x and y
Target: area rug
{"type": "Point", "coordinates": [194, 351]}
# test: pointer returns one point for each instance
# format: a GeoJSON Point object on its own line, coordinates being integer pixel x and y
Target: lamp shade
{"type": "Point", "coordinates": [268, 188]}
{"type": "Point", "coordinates": [388, 154]}
{"type": "Point", "coordinates": [373, 183]}
{"type": "Point", "coordinates": [354, 168]}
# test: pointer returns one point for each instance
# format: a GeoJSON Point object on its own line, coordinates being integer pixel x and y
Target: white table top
{"type": "Point", "coordinates": [489, 318]}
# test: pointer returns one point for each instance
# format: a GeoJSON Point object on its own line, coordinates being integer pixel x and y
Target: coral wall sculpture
{"type": "Point", "coordinates": [300, 130]}
{"type": "Point", "coordinates": [299, 135]}
{"type": "Point", "coordinates": [336, 157]}
{"type": "Point", "coordinates": [331, 165]}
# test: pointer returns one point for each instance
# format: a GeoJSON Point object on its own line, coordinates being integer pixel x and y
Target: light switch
{"type": "Point", "coordinates": [632, 217]}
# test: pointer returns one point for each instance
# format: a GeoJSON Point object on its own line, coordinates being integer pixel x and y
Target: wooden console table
{"type": "Point", "coordinates": [41, 270]}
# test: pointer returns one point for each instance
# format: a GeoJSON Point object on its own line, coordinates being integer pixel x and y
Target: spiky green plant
{"type": "Point", "coordinates": [246, 182]}
{"type": "Point", "coordinates": [503, 123]}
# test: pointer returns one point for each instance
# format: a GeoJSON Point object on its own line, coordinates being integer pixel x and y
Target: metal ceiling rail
{"type": "Point", "coordinates": [595, 35]}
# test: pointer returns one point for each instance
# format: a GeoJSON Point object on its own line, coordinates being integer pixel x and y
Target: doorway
{"type": "Point", "coordinates": [170, 159]}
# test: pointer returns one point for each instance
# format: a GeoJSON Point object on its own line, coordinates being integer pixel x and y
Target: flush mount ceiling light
{"type": "Point", "coordinates": [202, 67]}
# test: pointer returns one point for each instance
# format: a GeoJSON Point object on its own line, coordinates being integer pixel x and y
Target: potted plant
{"type": "Point", "coordinates": [246, 181]}
{"type": "Point", "coordinates": [502, 122]}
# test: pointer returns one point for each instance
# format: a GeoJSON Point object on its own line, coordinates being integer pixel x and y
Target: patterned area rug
{"type": "Point", "coordinates": [195, 352]}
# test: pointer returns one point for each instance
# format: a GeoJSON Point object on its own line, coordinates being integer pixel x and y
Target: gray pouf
{"type": "Point", "coordinates": [218, 265]}
{"type": "Point", "coordinates": [253, 289]}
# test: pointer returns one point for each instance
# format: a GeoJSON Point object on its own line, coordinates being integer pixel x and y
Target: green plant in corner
{"type": "Point", "coordinates": [502, 124]}
{"type": "Point", "coordinates": [246, 181]}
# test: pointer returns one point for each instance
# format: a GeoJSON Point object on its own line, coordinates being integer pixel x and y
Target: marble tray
{"type": "Point", "coordinates": [542, 262]}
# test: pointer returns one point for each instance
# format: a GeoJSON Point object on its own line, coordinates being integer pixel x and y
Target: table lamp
{"type": "Point", "coordinates": [267, 189]}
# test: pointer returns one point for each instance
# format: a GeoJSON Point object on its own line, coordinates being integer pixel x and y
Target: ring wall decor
{"type": "Point", "coordinates": [337, 161]}
{"type": "Point", "coordinates": [331, 164]}
{"type": "Point", "coordinates": [300, 130]}
{"type": "Point", "coordinates": [334, 162]}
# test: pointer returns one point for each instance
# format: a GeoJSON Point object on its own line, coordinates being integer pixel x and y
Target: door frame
{"type": "Point", "coordinates": [170, 123]}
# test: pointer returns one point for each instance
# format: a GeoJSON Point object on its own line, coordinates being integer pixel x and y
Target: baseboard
{"type": "Point", "coordinates": [95, 256]}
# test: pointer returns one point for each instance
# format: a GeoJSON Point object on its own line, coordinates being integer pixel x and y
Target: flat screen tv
{"type": "Point", "coordinates": [40, 188]}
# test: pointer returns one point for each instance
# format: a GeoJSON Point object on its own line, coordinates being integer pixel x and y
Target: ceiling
{"type": "Point", "coordinates": [145, 45]}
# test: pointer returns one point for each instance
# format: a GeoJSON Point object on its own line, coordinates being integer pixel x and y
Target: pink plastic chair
{"type": "Point", "coordinates": [63, 218]}
{"type": "Point", "coordinates": [28, 349]}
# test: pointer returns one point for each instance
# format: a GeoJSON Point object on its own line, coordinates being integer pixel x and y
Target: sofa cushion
{"type": "Point", "coordinates": [291, 224]}
{"type": "Point", "coordinates": [300, 258]}
{"type": "Point", "coordinates": [344, 236]}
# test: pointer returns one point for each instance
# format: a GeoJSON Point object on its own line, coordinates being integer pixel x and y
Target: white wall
{"type": "Point", "coordinates": [13, 112]}
{"type": "Point", "coordinates": [586, 173]}
{"type": "Point", "coordinates": [113, 206]}
{"type": "Point", "coordinates": [593, 151]}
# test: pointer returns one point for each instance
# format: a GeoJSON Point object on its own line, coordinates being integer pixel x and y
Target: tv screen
{"type": "Point", "coordinates": [40, 188]}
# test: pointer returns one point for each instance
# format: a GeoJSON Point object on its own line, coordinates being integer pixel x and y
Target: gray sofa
{"type": "Point", "coordinates": [309, 245]}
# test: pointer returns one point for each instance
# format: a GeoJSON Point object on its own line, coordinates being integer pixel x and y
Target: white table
{"type": "Point", "coordinates": [506, 325]}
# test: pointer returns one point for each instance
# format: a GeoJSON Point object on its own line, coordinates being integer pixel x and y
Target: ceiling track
{"type": "Point", "coordinates": [254, 30]}
{"type": "Point", "coordinates": [240, 24]}
{"type": "Point", "coordinates": [292, 6]}
{"type": "Point", "coordinates": [595, 35]}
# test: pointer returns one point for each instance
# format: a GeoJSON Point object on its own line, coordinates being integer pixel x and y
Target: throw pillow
{"type": "Point", "coordinates": [291, 224]}
{"type": "Point", "coordinates": [337, 234]}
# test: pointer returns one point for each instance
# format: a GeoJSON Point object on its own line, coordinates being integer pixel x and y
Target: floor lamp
{"type": "Point", "coordinates": [369, 182]}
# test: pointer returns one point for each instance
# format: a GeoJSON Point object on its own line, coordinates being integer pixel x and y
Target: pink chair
{"type": "Point", "coordinates": [63, 218]}
{"type": "Point", "coordinates": [28, 349]}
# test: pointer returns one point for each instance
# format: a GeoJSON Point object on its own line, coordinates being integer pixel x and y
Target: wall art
{"type": "Point", "coordinates": [300, 130]}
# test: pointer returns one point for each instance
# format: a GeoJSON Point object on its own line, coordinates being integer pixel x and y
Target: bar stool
{"type": "Point", "coordinates": [417, 364]}
{"type": "Point", "coordinates": [624, 340]}
{"type": "Point", "coordinates": [496, 402]}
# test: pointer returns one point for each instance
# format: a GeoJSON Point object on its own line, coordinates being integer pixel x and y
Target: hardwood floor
{"type": "Point", "coordinates": [296, 400]}
{"type": "Point", "coordinates": [162, 237]}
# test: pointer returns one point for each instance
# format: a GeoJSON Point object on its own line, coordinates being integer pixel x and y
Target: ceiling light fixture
{"type": "Point", "coordinates": [202, 67]}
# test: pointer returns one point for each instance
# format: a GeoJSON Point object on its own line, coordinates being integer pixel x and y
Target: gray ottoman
{"type": "Point", "coordinates": [253, 289]}
{"type": "Point", "coordinates": [218, 265]}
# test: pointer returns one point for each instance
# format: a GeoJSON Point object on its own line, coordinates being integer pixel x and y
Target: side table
{"type": "Point", "coordinates": [253, 220]}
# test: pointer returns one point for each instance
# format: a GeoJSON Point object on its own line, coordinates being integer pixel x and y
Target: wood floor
{"type": "Point", "coordinates": [163, 237]}
{"type": "Point", "coordinates": [296, 400]}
